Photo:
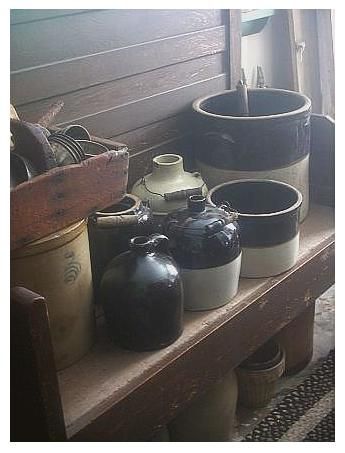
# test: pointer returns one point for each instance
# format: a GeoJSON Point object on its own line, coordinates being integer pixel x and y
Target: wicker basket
{"type": "Point", "coordinates": [257, 387]}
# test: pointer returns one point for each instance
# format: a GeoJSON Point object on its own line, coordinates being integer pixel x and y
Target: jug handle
{"type": "Point", "coordinates": [115, 221]}
{"type": "Point", "coordinates": [160, 242]}
{"type": "Point", "coordinates": [183, 194]}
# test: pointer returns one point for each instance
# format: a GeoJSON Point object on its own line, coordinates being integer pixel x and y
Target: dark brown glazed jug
{"type": "Point", "coordinates": [142, 295]}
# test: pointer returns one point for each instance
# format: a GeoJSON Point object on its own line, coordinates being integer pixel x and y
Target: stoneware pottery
{"type": "Point", "coordinates": [204, 240]}
{"type": "Point", "coordinates": [111, 229]}
{"type": "Point", "coordinates": [258, 375]}
{"type": "Point", "coordinates": [168, 186]}
{"type": "Point", "coordinates": [142, 295]}
{"type": "Point", "coordinates": [272, 142]}
{"type": "Point", "coordinates": [268, 216]}
{"type": "Point", "coordinates": [211, 416]}
{"type": "Point", "coordinates": [58, 268]}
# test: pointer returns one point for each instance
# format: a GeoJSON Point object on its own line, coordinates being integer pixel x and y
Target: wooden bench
{"type": "Point", "coordinates": [117, 395]}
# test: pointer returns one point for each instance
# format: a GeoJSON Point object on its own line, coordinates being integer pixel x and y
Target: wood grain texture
{"type": "Point", "coordinates": [119, 93]}
{"type": "Point", "coordinates": [111, 389]}
{"type": "Point", "coordinates": [119, 70]}
{"type": "Point", "coordinates": [36, 409]}
{"type": "Point", "coordinates": [234, 46]}
{"type": "Point", "coordinates": [148, 110]}
{"type": "Point", "coordinates": [35, 83]}
{"type": "Point", "coordinates": [153, 134]}
{"type": "Point", "coordinates": [284, 51]}
{"type": "Point", "coordinates": [287, 17]}
{"type": "Point", "coordinates": [326, 61]}
{"type": "Point", "coordinates": [65, 195]}
{"type": "Point", "coordinates": [99, 31]}
{"type": "Point", "coordinates": [21, 16]}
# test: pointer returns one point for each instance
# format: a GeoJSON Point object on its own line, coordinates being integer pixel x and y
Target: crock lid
{"type": "Point", "coordinates": [199, 218]}
{"type": "Point", "coordinates": [52, 241]}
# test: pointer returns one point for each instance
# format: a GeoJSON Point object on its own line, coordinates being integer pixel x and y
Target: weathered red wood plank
{"type": "Point", "coordinates": [63, 195]}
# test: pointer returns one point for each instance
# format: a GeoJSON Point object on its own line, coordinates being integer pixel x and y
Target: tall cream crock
{"type": "Point", "coordinates": [58, 268]}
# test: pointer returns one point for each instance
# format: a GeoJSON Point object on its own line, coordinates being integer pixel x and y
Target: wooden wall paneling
{"type": "Point", "coordinates": [130, 70]}
{"type": "Point", "coordinates": [22, 16]}
{"type": "Point", "coordinates": [38, 82]}
{"type": "Point", "coordinates": [284, 57]}
{"type": "Point", "coordinates": [121, 92]}
{"type": "Point", "coordinates": [287, 16]}
{"type": "Point", "coordinates": [151, 135]}
{"type": "Point", "coordinates": [99, 31]}
{"type": "Point", "coordinates": [234, 46]}
{"type": "Point", "coordinates": [153, 108]}
{"type": "Point", "coordinates": [304, 25]}
{"type": "Point", "coordinates": [326, 61]}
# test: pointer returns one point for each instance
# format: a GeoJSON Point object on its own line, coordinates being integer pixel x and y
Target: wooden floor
{"type": "Point", "coordinates": [108, 374]}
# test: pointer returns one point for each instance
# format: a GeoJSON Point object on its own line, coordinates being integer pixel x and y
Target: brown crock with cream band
{"type": "Point", "coordinates": [272, 142]}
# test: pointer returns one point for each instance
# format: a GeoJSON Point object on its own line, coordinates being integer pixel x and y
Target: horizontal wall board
{"type": "Point", "coordinates": [153, 134]}
{"type": "Point", "coordinates": [148, 110]}
{"type": "Point", "coordinates": [121, 92]}
{"type": "Point", "coordinates": [21, 16]}
{"type": "Point", "coordinates": [98, 31]}
{"type": "Point", "coordinates": [37, 83]}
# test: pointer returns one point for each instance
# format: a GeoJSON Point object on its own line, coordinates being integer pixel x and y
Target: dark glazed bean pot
{"type": "Point", "coordinates": [111, 229]}
{"type": "Point", "coordinates": [204, 240]}
{"type": "Point", "coordinates": [142, 295]}
{"type": "Point", "coordinates": [268, 215]}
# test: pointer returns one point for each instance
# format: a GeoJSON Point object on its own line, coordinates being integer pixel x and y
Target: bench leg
{"type": "Point", "coordinates": [297, 340]}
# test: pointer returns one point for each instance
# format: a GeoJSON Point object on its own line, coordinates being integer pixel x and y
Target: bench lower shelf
{"type": "Point", "coordinates": [117, 395]}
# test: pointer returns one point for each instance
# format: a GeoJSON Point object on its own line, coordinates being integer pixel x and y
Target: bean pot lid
{"type": "Point", "coordinates": [199, 218]}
